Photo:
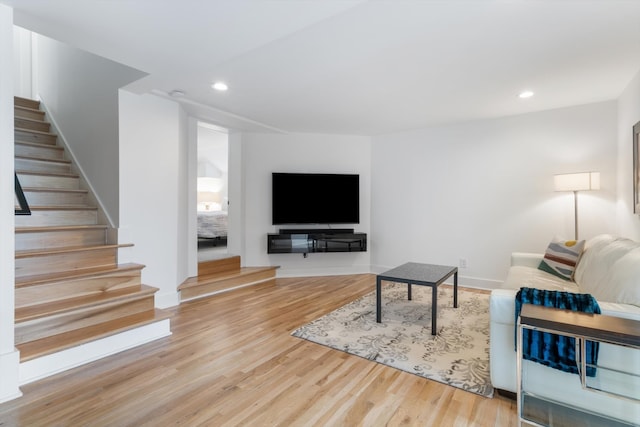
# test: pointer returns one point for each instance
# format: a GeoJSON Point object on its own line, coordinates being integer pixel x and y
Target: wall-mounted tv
{"type": "Point", "coordinates": [315, 198]}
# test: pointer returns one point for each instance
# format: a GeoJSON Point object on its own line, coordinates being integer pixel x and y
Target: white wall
{"type": "Point", "coordinates": [153, 190]}
{"type": "Point", "coordinates": [191, 197]}
{"type": "Point", "coordinates": [22, 70]}
{"type": "Point", "coordinates": [237, 217]}
{"type": "Point", "coordinates": [9, 357]}
{"type": "Point", "coordinates": [263, 154]}
{"type": "Point", "coordinates": [481, 190]}
{"type": "Point", "coordinates": [183, 239]}
{"type": "Point", "coordinates": [80, 90]}
{"type": "Point", "coordinates": [628, 115]}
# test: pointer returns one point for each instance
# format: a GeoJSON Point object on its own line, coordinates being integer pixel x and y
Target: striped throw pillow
{"type": "Point", "coordinates": [561, 257]}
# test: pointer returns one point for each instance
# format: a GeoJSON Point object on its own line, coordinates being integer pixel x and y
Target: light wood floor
{"type": "Point", "coordinates": [232, 362]}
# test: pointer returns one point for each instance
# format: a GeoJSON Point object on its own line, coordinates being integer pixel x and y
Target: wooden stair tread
{"type": "Point", "coordinates": [47, 228]}
{"type": "Point", "coordinates": [29, 119]}
{"type": "Point", "coordinates": [39, 132]}
{"type": "Point", "coordinates": [74, 274]}
{"type": "Point", "coordinates": [43, 159]}
{"type": "Point", "coordinates": [50, 308]}
{"type": "Point", "coordinates": [56, 343]}
{"type": "Point", "coordinates": [68, 249]}
{"type": "Point", "coordinates": [63, 208]}
{"type": "Point", "coordinates": [54, 190]}
{"type": "Point", "coordinates": [19, 100]}
{"type": "Point", "coordinates": [32, 110]}
{"type": "Point", "coordinates": [57, 174]}
{"type": "Point", "coordinates": [207, 279]}
{"type": "Point", "coordinates": [40, 145]}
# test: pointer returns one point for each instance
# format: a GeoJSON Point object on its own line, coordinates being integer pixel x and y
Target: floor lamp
{"type": "Point", "coordinates": [583, 181]}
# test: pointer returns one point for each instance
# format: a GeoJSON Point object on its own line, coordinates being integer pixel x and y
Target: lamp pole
{"type": "Point", "coordinates": [575, 213]}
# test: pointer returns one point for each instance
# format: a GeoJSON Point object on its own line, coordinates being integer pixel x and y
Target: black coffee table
{"type": "Point", "coordinates": [413, 273]}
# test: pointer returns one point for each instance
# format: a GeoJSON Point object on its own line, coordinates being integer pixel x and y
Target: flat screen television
{"type": "Point", "coordinates": [315, 198]}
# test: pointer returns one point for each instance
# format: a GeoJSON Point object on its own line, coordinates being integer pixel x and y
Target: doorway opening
{"type": "Point", "coordinates": [212, 191]}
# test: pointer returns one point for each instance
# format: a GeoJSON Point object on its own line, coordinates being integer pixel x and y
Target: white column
{"type": "Point", "coordinates": [192, 200]}
{"type": "Point", "coordinates": [235, 191]}
{"type": "Point", "coordinates": [9, 356]}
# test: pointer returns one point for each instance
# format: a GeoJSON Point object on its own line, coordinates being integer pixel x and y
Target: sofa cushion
{"type": "Point", "coordinates": [502, 301]}
{"type": "Point", "coordinates": [597, 261]}
{"type": "Point", "coordinates": [622, 283]}
{"type": "Point", "coordinates": [526, 277]}
{"type": "Point", "coordinates": [561, 257]}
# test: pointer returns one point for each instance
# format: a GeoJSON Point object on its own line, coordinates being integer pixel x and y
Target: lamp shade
{"type": "Point", "coordinates": [208, 184]}
{"type": "Point", "coordinates": [208, 197]}
{"type": "Point", "coordinates": [582, 181]}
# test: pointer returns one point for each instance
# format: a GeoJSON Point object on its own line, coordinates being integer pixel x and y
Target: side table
{"type": "Point", "coordinates": [539, 411]}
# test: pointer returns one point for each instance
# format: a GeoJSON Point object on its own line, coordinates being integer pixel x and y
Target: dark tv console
{"type": "Point", "coordinates": [304, 241]}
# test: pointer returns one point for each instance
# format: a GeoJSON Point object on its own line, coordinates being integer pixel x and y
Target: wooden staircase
{"type": "Point", "coordinates": [223, 275]}
{"type": "Point", "coordinates": [70, 288]}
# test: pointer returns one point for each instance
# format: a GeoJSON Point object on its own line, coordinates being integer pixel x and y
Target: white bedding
{"type": "Point", "coordinates": [212, 224]}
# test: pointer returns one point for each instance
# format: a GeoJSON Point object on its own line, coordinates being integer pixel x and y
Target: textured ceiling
{"type": "Point", "coordinates": [356, 67]}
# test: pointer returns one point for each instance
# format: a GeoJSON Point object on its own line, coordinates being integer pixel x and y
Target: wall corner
{"type": "Point", "coordinates": [9, 372]}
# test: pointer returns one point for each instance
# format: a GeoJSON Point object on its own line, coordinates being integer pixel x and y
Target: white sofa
{"type": "Point", "coordinates": [609, 269]}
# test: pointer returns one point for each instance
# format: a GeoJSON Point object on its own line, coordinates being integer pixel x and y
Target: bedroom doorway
{"type": "Point", "coordinates": [212, 191]}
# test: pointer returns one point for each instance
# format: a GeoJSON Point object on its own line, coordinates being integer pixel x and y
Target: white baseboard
{"type": "Point", "coordinates": [322, 271]}
{"type": "Point", "coordinates": [9, 366]}
{"type": "Point", "coordinates": [475, 282]}
{"type": "Point", "coordinates": [166, 300]}
{"type": "Point", "coordinates": [45, 366]}
{"type": "Point", "coordinates": [467, 281]}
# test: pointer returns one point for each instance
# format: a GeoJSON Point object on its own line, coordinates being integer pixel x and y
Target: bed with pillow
{"type": "Point", "coordinates": [212, 225]}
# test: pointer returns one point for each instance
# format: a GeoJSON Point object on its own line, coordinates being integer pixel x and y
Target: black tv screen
{"type": "Point", "coordinates": [315, 198]}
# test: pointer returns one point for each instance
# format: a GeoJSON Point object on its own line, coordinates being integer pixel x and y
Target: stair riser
{"type": "Point", "coordinates": [28, 114]}
{"type": "Point", "coordinates": [43, 218]}
{"type": "Point", "coordinates": [57, 324]}
{"type": "Point", "coordinates": [55, 198]}
{"type": "Point", "coordinates": [31, 124]}
{"type": "Point", "coordinates": [26, 136]}
{"type": "Point", "coordinates": [27, 103]}
{"type": "Point", "coordinates": [44, 181]}
{"type": "Point", "coordinates": [220, 285]}
{"type": "Point", "coordinates": [219, 266]}
{"type": "Point", "coordinates": [60, 290]}
{"type": "Point", "coordinates": [58, 262]}
{"type": "Point", "coordinates": [43, 152]}
{"type": "Point", "coordinates": [41, 166]}
{"type": "Point", "coordinates": [58, 239]}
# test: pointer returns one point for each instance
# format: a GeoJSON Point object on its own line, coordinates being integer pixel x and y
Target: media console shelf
{"type": "Point", "coordinates": [291, 241]}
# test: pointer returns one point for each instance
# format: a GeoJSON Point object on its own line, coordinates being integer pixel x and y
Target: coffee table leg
{"type": "Point", "coordinates": [434, 309]}
{"type": "Point", "coordinates": [455, 289]}
{"type": "Point", "coordinates": [378, 300]}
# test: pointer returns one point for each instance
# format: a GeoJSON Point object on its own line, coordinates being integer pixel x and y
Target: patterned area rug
{"type": "Point", "coordinates": [458, 355]}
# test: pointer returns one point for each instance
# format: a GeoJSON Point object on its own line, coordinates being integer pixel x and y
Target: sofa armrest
{"type": "Point", "coordinates": [526, 259]}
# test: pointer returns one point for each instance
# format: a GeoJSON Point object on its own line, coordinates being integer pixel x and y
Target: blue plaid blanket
{"type": "Point", "coordinates": [556, 351]}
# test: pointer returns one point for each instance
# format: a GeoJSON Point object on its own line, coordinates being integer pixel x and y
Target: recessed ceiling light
{"type": "Point", "coordinates": [526, 94]}
{"type": "Point", "coordinates": [221, 86]}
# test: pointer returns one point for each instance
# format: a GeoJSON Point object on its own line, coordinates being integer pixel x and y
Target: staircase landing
{"type": "Point", "coordinates": [224, 275]}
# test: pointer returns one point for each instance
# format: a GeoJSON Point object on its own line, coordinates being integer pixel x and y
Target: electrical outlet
{"type": "Point", "coordinates": [463, 263]}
